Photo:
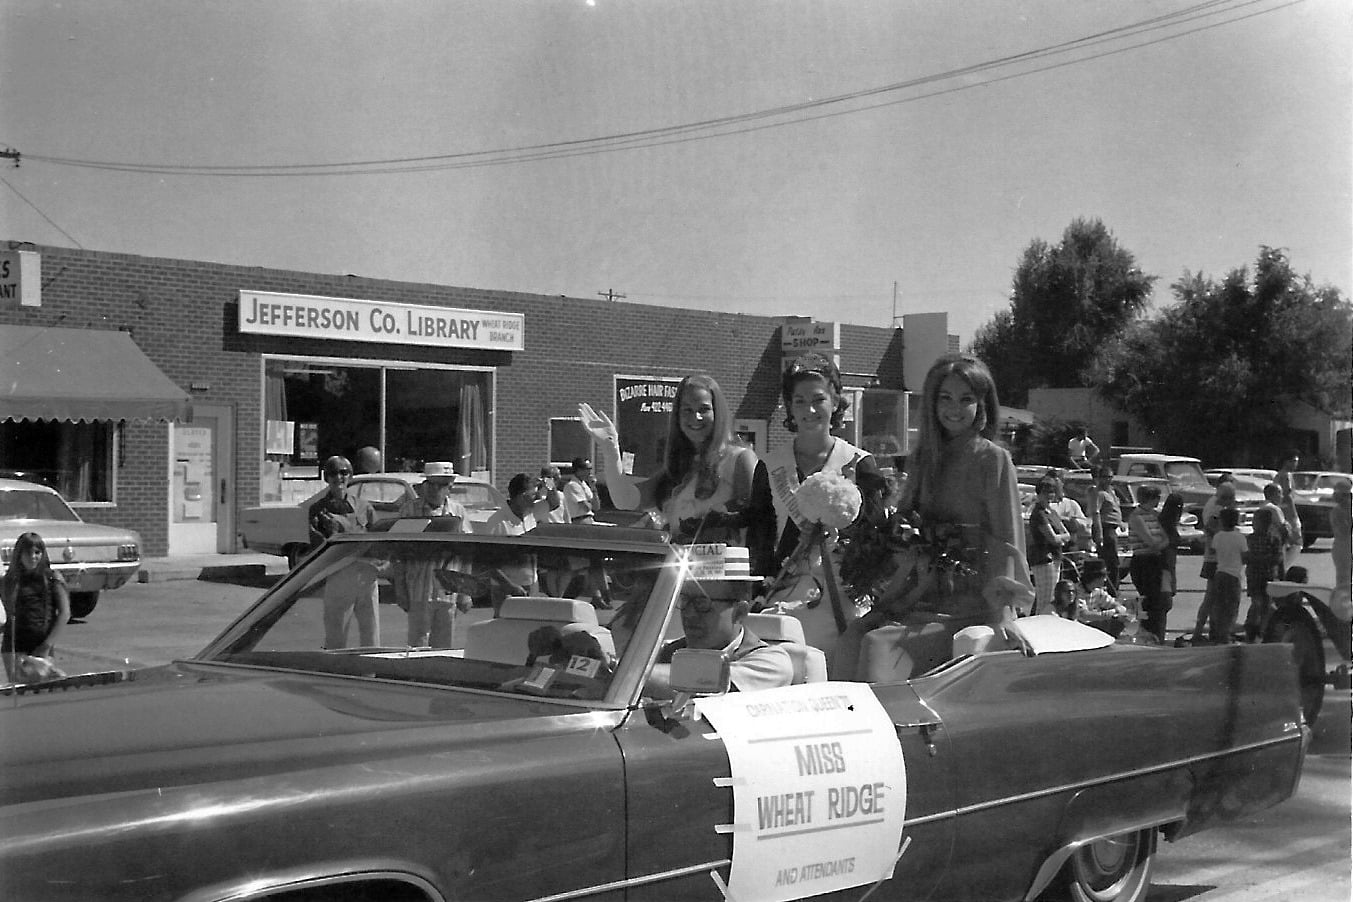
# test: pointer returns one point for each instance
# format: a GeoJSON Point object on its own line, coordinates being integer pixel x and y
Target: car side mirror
{"type": "Point", "coordinates": [694, 672]}
{"type": "Point", "coordinates": [699, 671]}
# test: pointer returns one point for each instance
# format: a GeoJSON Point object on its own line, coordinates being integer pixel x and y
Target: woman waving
{"type": "Point", "coordinates": [706, 477]}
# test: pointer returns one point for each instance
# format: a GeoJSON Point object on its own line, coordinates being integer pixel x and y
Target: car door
{"type": "Point", "coordinates": [674, 806]}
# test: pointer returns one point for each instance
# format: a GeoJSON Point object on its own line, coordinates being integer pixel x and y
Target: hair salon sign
{"type": "Point", "coordinates": [345, 319]}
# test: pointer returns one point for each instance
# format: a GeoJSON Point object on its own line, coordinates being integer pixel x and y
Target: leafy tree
{"type": "Point", "coordinates": [1066, 301]}
{"type": "Point", "coordinates": [1216, 372]}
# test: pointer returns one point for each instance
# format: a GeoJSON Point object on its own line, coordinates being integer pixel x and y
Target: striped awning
{"type": "Point", "coordinates": [82, 374]}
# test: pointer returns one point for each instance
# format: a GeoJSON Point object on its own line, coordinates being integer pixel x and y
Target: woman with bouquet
{"type": "Point", "coordinates": [785, 535]}
{"type": "Point", "coordinates": [963, 563]}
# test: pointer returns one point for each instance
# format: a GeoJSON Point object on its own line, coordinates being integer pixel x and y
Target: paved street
{"type": "Point", "coordinates": [1300, 849]}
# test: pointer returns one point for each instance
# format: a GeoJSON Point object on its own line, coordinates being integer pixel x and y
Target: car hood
{"type": "Point", "coordinates": [190, 723]}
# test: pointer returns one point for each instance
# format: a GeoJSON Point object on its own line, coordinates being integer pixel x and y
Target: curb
{"type": "Point", "coordinates": [170, 571]}
{"type": "Point", "coordinates": [226, 573]}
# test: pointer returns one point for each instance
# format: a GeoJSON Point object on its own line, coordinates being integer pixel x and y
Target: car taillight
{"type": "Point", "coordinates": [128, 552]}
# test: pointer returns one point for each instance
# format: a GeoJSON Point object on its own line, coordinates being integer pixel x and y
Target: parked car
{"type": "Point", "coordinates": [1185, 475]}
{"type": "Point", "coordinates": [1080, 486]}
{"type": "Point", "coordinates": [1260, 477]}
{"type": "Point", "coordinates": [1313, 493]}
{"type": "Point", "coordinates": [285, 531]}
{"type": "Point", "coordinates": [535, 763]}
{"type": "Point", "coordinates": [90, 556]}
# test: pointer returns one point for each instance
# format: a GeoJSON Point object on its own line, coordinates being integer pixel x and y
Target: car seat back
{"type": "Point", "coordinates": [505, 639]}
{"type": "Point", "coordinates": [810, 663]}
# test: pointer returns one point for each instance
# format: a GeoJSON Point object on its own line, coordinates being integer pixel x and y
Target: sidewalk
{"type": "Point", "coordinates": [225, 567]}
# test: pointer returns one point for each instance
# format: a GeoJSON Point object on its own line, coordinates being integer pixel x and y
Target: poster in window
{"type": "Point", "coordinates": [279, 437]}
{"type": "Point", "coordinates": [307, 441]}
{"type": "Point", "coordinates": [643, 407]}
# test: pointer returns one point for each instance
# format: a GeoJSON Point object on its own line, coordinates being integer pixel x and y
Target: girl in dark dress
{"type": "Point", "coordinates": [36, 602]}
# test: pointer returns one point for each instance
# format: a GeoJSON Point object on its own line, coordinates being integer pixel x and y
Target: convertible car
{"type": "Point", "coordinates": [530, 761]}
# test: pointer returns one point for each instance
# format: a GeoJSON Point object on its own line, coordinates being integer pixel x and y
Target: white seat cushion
{"type": "Point", "coordinates": [506, 638]}
{"type": "Point", "coordinates": [550, 610]}
{"type": "Point", "coordinates": [776, 627]}
{"type": "Point", "coordinates": [810, 663]}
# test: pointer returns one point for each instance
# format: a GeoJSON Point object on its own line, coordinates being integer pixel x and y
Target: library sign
{"type": "Point", "coordinates": [345, 319]}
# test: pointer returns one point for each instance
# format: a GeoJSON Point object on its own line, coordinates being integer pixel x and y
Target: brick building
{"type": "Point", "coordinates": [229, 384]}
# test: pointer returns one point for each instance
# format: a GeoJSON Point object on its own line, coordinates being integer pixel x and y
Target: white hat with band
{"type": "Point", "coordinates": [719, 562]}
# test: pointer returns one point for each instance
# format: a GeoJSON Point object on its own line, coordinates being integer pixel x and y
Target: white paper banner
{"type": "Point", "coordinates": [819, 789]}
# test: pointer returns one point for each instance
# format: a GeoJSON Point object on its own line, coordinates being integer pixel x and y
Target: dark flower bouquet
{"type": "Point", "coordinates": [897, 564]}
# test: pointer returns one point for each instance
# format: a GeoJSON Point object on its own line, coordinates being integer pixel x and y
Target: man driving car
{"type": "Point", "coordinates": [713, 608]}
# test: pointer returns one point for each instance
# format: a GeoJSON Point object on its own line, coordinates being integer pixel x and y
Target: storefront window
{"type": "Point", "coordinates": [76, 459]}
{"type": "Point", "coordinates": [411, 415]}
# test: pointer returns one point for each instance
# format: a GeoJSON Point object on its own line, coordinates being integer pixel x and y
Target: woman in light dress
{"type": "Point", "coordinates": [812, 393]}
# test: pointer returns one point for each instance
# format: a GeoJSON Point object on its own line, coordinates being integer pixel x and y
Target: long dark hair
{"type": "Point", "coordinates": [683, 459]}
{"type": "Point", "coordinates": [16, 571]}
{"type": "Point", "coordinates": [924, 466]}
{"type": "Point", "coordinates": [1170, 512]}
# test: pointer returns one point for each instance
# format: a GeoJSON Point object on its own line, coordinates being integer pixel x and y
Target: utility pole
{"type": "Point", "coordinates": [610, 294]}
{"type": "Point", "coordinates": [894, 303]}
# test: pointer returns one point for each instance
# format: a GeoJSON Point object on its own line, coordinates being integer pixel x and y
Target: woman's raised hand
{"type": "Point", "coordinates": [599, 424]}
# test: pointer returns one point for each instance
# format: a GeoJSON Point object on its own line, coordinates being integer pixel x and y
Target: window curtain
{"type": "Point", "coordinates": [274, 392]}
{"type": "Point", "coordinates": [474, 453]}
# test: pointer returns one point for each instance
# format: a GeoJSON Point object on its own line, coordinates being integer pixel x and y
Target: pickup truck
{"type": "Point", "coordinates": [283, 529]}
{"type": "Point", "coordinates": [1185, 475]}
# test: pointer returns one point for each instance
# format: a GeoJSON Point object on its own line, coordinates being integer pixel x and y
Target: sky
{"type": "Point", "coordinates": [920, 145]}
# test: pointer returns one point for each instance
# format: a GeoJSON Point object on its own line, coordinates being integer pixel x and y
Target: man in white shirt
{"type": "Point", "coordinates": [1073, 517]}
{"type": "Point", "coordinates": [1082, 450]}
{"type": "Point", "coordinates": [579, 496]}
{"type": "Point", "coordinates": [527, 501]}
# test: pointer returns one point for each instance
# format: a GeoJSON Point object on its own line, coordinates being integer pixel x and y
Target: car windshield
{"type": "Point", "coordinates": [317, 620]}
{"type": "Point", "coordinates": [1186, 474]}
{"type": "Point", "coordinates": [21, 504]}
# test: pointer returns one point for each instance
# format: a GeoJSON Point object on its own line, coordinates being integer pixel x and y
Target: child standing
{"type": "Point", "coordinates": [1229, 548]}
{"type": "Point", "coordinates": [1263, 557]}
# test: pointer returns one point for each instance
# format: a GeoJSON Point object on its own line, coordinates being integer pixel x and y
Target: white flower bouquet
{"type": "Point", "coordinates": [829, 499]}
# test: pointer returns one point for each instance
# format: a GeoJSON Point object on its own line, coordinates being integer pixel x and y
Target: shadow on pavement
{"type": "Point", "coordinates": [241, 577]}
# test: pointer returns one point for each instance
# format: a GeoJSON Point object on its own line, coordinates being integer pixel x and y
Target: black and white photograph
{"type": "Point", "coordinates": [646, 450]}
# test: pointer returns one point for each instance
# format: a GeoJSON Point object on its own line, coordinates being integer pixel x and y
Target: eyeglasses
{"type": "Point", "coordinates": [702, 604]}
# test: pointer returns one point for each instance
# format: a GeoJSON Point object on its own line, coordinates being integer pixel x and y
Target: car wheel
{"type": "Point", "coordinates": [1308, 652]}
{"type": "Point", "coordinates": [82, 604]}
{"type": "Point", "coordinates": [1113, 869]}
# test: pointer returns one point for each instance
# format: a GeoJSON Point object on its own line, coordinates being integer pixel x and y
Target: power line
{"type": "Point", "coordinates": [776, 117]}
{"type": "Point", "coordinates": [72, 238]}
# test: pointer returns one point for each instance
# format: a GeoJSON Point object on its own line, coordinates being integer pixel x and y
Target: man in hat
{"type": "Point", "coordinates": [712, 614]}
{"type": "Point", "coordinates": [351, 590]}
{"type": "Point", "coordinates": [432, 610]}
